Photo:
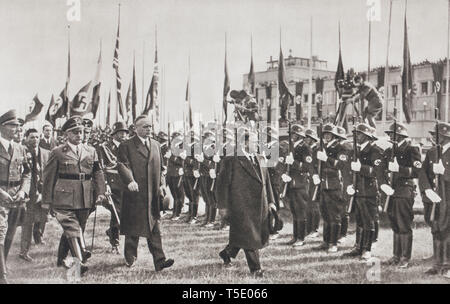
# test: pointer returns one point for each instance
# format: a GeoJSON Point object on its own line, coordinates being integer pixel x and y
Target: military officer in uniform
{"type": "Point", "coordinates": [312, 208]}
{"type": "Point", "coordinates": [370, 171]}
{"type": "Point", "coordinates": [107, 153]}
{"type": "Point", "coordinates": [14, 178]}
{"type": "Point", "coordinates": [174, 173]}
{"type": "Point", "coordinates": [405, 168]}
{"type": "Point", "coordinates": [301, 168]}
{"type": "Point", "coordinates": [47, 142]}
{"type": "Point", "coordinates": [335, 163]}
{"type": "Point", "coordinates": [35, 216]}
{"type": "Point", "coordinates": [190, 164]}
{"type": "Point", "coordinates": [87, 123]}
{"type": "Point", "coordinates": [432, 193]}
{"type": "Point", "coordinates": [73, 184]}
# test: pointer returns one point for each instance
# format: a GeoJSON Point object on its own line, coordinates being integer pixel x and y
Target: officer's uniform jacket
{"type": "Point", "coordinates": [107, 153]}
{"type": "Point", "coordinates": [164, 148]}
{"type": "Point", "coordinates": [372, 173]}
{"type": "Point", "coordinates": [62, 192]}
{"type": "Point", "coordinates": [302, 167]}
{"type": "Point", "coordinates": [409, 161]}
{"type": "Point", "coordinates": [15, 173]}
{"type": "Point", "coordinates": [190, 164]}
{"type": "Point", "coordinates": [174, 164]}
{"type": "Point", "coordinates": [427, 180]}
{"type": "Point", "coordinates": [337, 167]}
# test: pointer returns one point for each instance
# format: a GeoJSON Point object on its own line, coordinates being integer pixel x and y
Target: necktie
{"type": "Point", "coordinates": [10, 150]}
{"type": "Point", "coordinates": [147, 144]}
{"type": "Point", "coordinates": [78, 151]}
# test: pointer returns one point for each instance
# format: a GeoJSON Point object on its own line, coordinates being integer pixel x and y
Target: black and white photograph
{"type": "Point", "coordinates": [204, 144]}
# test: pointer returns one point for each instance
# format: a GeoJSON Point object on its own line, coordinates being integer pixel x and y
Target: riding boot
{"type": "Point", "coordinates": [2, 266]}
{"type": "Point", "coordinates": [335, 230]}
{"type": "Point", "coordinates": [294, 233]}
{"type": "Point", "coordinates": [368, 238]}
{"type": "Point", "coordinates": [8, 243]}
{"type": "Point", "coordinates": [190, 212]}
{"type": "Point", "coordinates": [375, 232]}
{"type": "Point", "coordinates": [85, 253]}
{"type": "Point", "coordinates": [63, 250]}
{"type": "Point", "coordinates": [213, 213]}
{"type": "Point", "coordinates": [344, 226]}
{"type": "Point", "coordinates": [76, 252]}
{"type": "Point", "coordinates": [358, 248]}
{"type": "Point", "coordinates": [398, 246]}
{"type": "Point", "coordinates": [326, 233]}
{"type": "Point", "coordinates": [207, 212]}
{"type": "Point", "coordinates": [301, 230]}
{"type": "Point", "coordinates": [194, 210]}
{"type": "Point", "coordinates": [406, 247]}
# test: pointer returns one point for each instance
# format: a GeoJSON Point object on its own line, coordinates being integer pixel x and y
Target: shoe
{"type": "Point", "coordinates": [342, 239]}
{"type": "Point", "coordinates": [210, 225]}
{"type": "Point", "coordinates": [292, 241]}
{"type": "Point", "coordinates": [298, 243]}
{"type": "Point", "coordinates": [176, 218]}
{"type": "Point", "coordinates": [86, 255]}
{"type": "Point", "coordinates": [115, 250]}
{"type": "Point", "coordinates": [226, 228]}
{"type": "Point", "coordinates": [258, 273]}
{"type": "Point", "coordinates": [323, 246]}
{"type": "Point", "coordinates": [433, 271]}
{"type": "Point", "coordinates": [403, 264]}
{"type": "Point", "coordinates": [193, 221]}
{"type": "Point", "coordinates": [226, 259]}
{"type": "Point", "coordinates": [274, 236]}
{"type": "Point", "coordinates": [392, 261]}
{"type": "Point", "coordinates": [374, 245]}
{"type": "Point", "coordinates": [130, 264]}
{"type": "Point", "coordinates": [313, 235]}
{"type": "Point", "coordinates": [166, 264]}
{"type": "Point", "coordinates": [446, 274]}
{"type": "Point", "coordinates": [367, 255]}
{"type": "Point", "coordinates": [353, 253]}
{"type": "Point", "coordinates": [26, 257]}
{"type": "Point", "coordinates": [83, 269]}
{"type": "Point", "coordinates": [333, 249]}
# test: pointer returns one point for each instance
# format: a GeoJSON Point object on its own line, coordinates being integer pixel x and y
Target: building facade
{"type": "Point", "coordinates": [297, 76]}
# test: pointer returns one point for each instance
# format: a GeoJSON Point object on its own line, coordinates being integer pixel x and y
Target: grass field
{"type": "Point", "coordinates": [195, 250]}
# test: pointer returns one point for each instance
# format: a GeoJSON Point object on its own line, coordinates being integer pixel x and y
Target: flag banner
{"type": "Point", "coordinates": [80, 104]}
{"type": "Point", "coordinates": [128, 105]}
{"type": "Point", "coordinates": [298, 100]}
{"type": "Point", "coordinates": [340, 74]}
{"type": "Point", "coordinates": [108, 111]}
{"type": "Point", "coordinates": [251, 78]}
{"type": "Point", "coordinates": [34, 109]}
{"type": "Point", "coordinates": [120, 109]}
{"type": "Point", "coordinates": [407, 78]}
{"type": "Point", "coordinates": [226, 90]}
{"type": "Point", "coordinates": [438, 80]}
{"type": "Point", "coordinates": [151, 100]}
{"type": "Point", "coordinates": [48, 115]}
{"type": "Point", "coordinates": [285, 95]}
{"type": "Point", "coordinates": [133, 95]}
{"type": "Point", "coordinates": [380, 77]}
{"type": "Point", "coordinates": [95, 102]}
{"type": "Point", "coordinates": [188, 102]}
{"type": "Point", "coordinates": [319, 96]}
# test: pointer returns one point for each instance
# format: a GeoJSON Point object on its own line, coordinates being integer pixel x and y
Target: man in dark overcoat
{"type": "Point", "coordinates": [139, 166]}
{"type": "Point", "coordinates": [244, 199]}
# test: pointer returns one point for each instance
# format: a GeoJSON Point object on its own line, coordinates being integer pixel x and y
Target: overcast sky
{"type": "Point", "coordinates": [33, 56]}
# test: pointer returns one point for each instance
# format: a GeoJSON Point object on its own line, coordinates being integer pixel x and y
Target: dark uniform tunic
{"type": "Point", "coordinates": [440, 227]}
{"type": "Point", "coordinates": [108, 153]}
{"type": "Point", "coordinates": [298, 188]}
{"type": "Point", "coordinates": [173, 177]}
{"type": "Point", "coordinates": [369, 178]}
{"type": "Point", "coordinates": [332, 201]}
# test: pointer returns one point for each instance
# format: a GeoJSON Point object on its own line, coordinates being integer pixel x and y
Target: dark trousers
{"type": "Point", "coordinates": [15, 218]}
{"type": "Point", "coordinates": [298, 199]}
{"type": "Point", "coordinates": [113, 231]}
{"type": "Point", "coordinates": [331, 207]}
{"type": "Point", "coordinates": [312, 210]}
{"type": "Point", "coordinates": [192, 194]}
{"type": "Point", "coordinates": [38, 231]}
{"type": "Point", "coordinates": [31, 228]}
{"type": "Point", "coordinates": [70, 220]}
{"type": "Point", "coordinates": [252, 256]}
{"type": "Point", "coordinates": [366, 215]}
{"type": "Point", "coordinates": [177, 193]}
{"type": "Point", "coordinates": [154, 244]}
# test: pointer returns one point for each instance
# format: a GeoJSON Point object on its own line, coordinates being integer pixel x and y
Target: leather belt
{"type": "Point", "coordinates": [10, 184]}
{"type": "Point", "coordinates": [77, 176]}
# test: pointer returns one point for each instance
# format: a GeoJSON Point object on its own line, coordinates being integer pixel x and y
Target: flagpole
{"type": "Point", "coordinates": [310, 76]}
{"type": "Point", "coordinates": [68, 73]}
{"type": "Point", "coordinates": [386, 70]}
{"type": "Point", "coordinates": [400, 114]}
{"type": "Point", "coordinates": [368, 63]}
{"type": "Point", "coordinates": [448, 65]}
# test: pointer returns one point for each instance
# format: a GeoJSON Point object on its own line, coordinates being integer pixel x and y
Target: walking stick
{"type": "Point", "coordinates": [93, 229]}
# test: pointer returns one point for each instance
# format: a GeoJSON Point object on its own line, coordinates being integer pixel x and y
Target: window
{"type": "Point", "coordinates": [394, 89]}
{"type": "Point", "coordinates": [424, 86]}
{"type": "Point", "coordinates": [305, 98]}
